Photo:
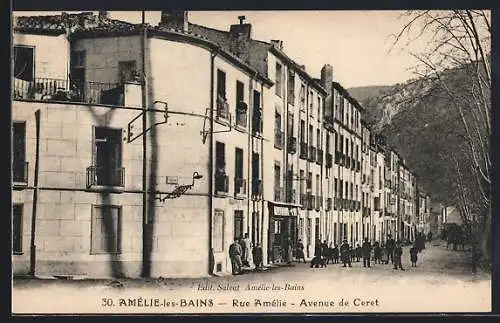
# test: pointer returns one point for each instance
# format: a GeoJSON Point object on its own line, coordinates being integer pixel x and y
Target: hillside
{"type": "Point", "coordinates": [419, 119]}
{"type": "Point", "coordinates": [361, 93]}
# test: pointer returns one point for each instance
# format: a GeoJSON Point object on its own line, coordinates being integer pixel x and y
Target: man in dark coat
{"type": "Point", "coordinates": [257, 256]}
{"type": "Point", "coordinates": [235, 252]}
{"type": "Point", "coordinates": [398, 253]}
{"type": "Point", "coordinates": [377, 253]}
{"type": "Point", "coordinates": [429, 236]}
{"type": "Point", "coordinates": [335, 254]}
{"type": "Point", "coordinates": [366, 251]}
{"type": "Point", "coordinates": [389, 245]}
{"type": "Point", "coordinates": [325, 251]}
{"type": "Point", "coordinates": [345, 254]}
{"type": "Point", "coordinates": [413, 256]}
{"type": "Point", "coordinates": [300, 251]}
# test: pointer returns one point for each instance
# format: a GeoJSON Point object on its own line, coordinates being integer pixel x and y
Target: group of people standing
{"type": "Point", "coordinates": [239, 253]}
{"type": "Point", "coordinates": [389, 252]}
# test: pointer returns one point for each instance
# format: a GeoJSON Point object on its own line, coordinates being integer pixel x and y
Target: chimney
{"type": "Point", "coordinates": [277, 43]}
{"type": "Point", "coordinates": [240, 36]}
{"type": "Point", "coordinates": [103, 15]}
{"type": "Point", "coordinates": [302, 67]}
{"type": "Point", "coordinates": [176, 19]}
{"type": "Point", "coordinates": [327, 77]}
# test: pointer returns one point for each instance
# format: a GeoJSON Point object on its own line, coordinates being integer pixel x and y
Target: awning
{"type": "Point", "coordinates": [282, 210]}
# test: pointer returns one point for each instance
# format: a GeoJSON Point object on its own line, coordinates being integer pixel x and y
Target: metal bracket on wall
{"type": "Point", "coordinates": [205, 132]}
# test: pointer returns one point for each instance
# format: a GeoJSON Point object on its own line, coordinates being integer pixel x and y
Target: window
{"type": "Point", "coordinates": [24, 58]}
{"type": "Point", "coordinates": [311, 139]}
{"type": "Point", "coordinates": [319, 108]}
{"type": "Point", "coordinates": [106, 229]}
{"type": "Point", "coordinates": [19, 164]}
{"type": "Point", "coordinates": [309, 181]}
{"type": "Point", "coordinates": [278, 138]}
{"type": "Point", "coordinates": [77, 74]}
{"type": "Point", "coordinates": [17, 228]}
{"type": "Point", "coordinates": [327, 145]}
{"type": "Point", "coordinates": [257, 113]}
{"type": "Point", "coordinates": [221, 85]}
{"type": "Point", "coordinates": [107, 157]}
{"type": "Point", "coordinates": [238, 223]}
{"type": "Point", "coordinates": [127, 71]}
{"type": "Point", "coordinates": [302, 179]}
{"type": "Point", "coordinates": [277, 181]}
{"type": "Point", "coordinates": [318, 191]}
{"type": "Point", "coordinates": [218, 233]}
{"type": "Point", "coordinates": [239, 181]}
{"type": "Point", "coordinates": [279, 81]}
{"type": "Point", "coordinates": [316, 229]}
{"type": "Point", "coordinates": [318, 138]}
{"type": "Point", "coordinates": [302, 130]}
{"type": "Point", "coordinates": [291, 88]}
{"type": "Point", "coordinates": [255, 174]}
{"type": "Point", "coordinates": [221, 179]}
{"type": "Point", "coordinates": [335, 191]}
{"type": "Point", "coordinates": [241, 106]}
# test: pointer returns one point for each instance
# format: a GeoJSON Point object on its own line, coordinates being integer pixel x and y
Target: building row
{"type": "Point", "coordinates": [144, 150]}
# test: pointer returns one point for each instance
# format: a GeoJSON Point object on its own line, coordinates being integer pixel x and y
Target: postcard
{"type": "Point", "coordinates": [203, 162]}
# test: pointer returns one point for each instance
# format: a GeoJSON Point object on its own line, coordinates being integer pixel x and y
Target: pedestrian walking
{"type": "Point", "coordinates": [398, 253]}
{"type": "Point", "coordinates": [325, 251]}
{"type": "Point", "coordinates": [429, 236]}
{"type": "Point", "coordinates": [235, 252]}
{"type": "Point", "coordinates": [246, 246]}
{"type": "Point", "coordinates": [366, 251]}
{"type": "Point", "coordinates": [345, 253]}
{"type": "Point", "coordinates": [390, 244]}
{"type": "Point", "coordinates": [257, 256]}
{"type": "Point", "coordinates": [299, 250]}
{"type": "Point", "coordinates": [385, 254]}
{"type": "Point", "coordinates": [414, 256]}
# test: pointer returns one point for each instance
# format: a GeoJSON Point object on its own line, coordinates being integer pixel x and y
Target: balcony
{"type": "Point", "coordinates": [329, 158]}
{"type": "Point", "coordinates": [222, 109]}
{"type": "Point", "coordinates": [20, 174]}
{"type": "Point", "coordinates": [303, 200]}
{"type": "Point", "coordinates": [292, 145]}
{"type": "Point", "coordinates": [221, 184]}
{"type": "Point", "coordinates": [241, 114]}
{"type": "Point", "coordinates": [303, 150]}
{"type": "Point", "coordinates": [48, 89]}
{"type": "Point", "coordinates": [319, 159]}
{"type": "Point", "coordinates": [290, 196]}
{"type": "Point", "coordinates": [256, 188]}
{"type": "Point", "coordinates": [279, 194]}
{"type": "Point", "coordinates": [329, 204]}
{"type": "Point", "coordinates": [312, 153]}
{"type": "Point", "coordinates": [101, 178]}
{"type": "Point", "coordinates": [257, 121]}
{"type": "Point", "coordinates": [278, 139]}
{"type": "Point", "coordinates": [310, 202]}
{"type": "Point", "coordinates": [240, 188]}
{"type": "Point", "coordinates": [319, 202]}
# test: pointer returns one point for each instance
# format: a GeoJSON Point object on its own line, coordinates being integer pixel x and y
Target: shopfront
{"type": "Point", "coordinates": [282, 225]}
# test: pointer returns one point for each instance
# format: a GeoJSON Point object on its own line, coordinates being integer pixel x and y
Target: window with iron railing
{"type": "Point", "coordinates": [221, 180]}
{"type": "Point", "coordinates": [303, 150]}
{"type": "Point", "coordinates": [106, 169]}
{"type": "Point", "coordinates": [19, 163]}
{"type": "Point", "coordinates": [329, 160]}
{"type": "Point", "coordinates": [292, 145]}
{"type": "Point", "coordinates": [312, 153]}
{"type": "Point", "coordinates": [319, 159]}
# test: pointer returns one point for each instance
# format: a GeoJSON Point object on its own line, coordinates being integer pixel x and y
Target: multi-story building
{"type": "Point", "coordinates": [204, 107]}
{"type": "Point", "coordinates": [150, 148]}
{"type": "Point", "coordinates": [343, 116]}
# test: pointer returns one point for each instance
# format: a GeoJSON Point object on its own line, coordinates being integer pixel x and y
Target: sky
{"type": "Point", "coordinates": [358, 44]}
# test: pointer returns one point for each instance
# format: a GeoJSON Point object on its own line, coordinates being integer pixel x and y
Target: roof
{"type": "Point", "coordinates": [63, 23]}
{"type": "Point", "coordinates": [223, 38]}
{"type": "Point", "coordinates": [89, 25]}
{"type": "Point", "coordinates": [346, 95]}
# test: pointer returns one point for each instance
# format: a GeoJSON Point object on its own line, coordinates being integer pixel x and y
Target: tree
{"type": "Point", "coordinates": [457, 59]}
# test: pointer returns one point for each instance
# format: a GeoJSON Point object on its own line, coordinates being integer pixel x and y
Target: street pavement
{"type": "Point", "coordinates": [441, 282]}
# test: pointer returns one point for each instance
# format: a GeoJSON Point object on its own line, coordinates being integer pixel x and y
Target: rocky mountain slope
{"type": "Point", "coordinates": [419, 119]}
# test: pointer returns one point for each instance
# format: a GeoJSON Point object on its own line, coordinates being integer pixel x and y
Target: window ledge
{"type": "Point", "coordinates": [17, 253]}
{"type": "Point", "coordinates": [222, 121]}
{"type": "Point", "coordinates": [240, 196]}
{"type": "Point", "coordinates": [19, 185]}
{"type": "Point", "coordinates": [106, 188]}
{"type": "Point", "coordinates": [220, 194]}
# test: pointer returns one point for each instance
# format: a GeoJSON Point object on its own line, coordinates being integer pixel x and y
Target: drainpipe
{"type": "Point", "coordinates": [35, 197]}
{"type": "Point", "coordinates": [250, 155]}
{"type": "Point", "coordinates": [211, 260]}
{"type": "Point", "coordinates": [262, 206]}
{"type": "Point", "coordinates": [145, 223]}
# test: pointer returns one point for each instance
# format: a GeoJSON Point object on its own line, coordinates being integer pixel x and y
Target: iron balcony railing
{"type": "Point", "coordinates": [303, 150]}
{"type": "Point", "coordinates": [312, 153]}
{"type": "Point", "coordinates": [329, 158]}
{"type": "Point", "coordinates": [310, 201]}
{"type": "Point", "coordinates": [222, 111]}
{"type": "Point", "coordinates": [319, 202]}
{"type": "Point", "coordinates": [256, 188]}
{"type": "Point", "coordinates": [241, 114]}
{"type": "Point", "coordinates": [319, 159]}
{"type": "Point", "coordinates": [50, 89]}
{"type": "Point", "coordinates": [221, 184]}
{"type": "Point", "coordinates": [292, 145]}
{"type": "Point", "coordinates": [105, 176]}
{"type": "Point", "coordinates": [240, 187]}
{"type": "Point", "coordinates": [278, 139]}
{"type": "Point", "coordinates": [257, 121]}
{"type": "Point", "coordinates": [303, 201]}
{"type": "Point", "coordinates": [20, 172]}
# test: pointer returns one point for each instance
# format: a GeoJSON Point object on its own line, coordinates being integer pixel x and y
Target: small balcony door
{"type": "Point", "coordinates": [108, 156]}
{"type": "Point", "coordinates": [238, 223]}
